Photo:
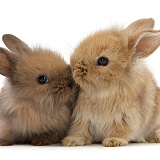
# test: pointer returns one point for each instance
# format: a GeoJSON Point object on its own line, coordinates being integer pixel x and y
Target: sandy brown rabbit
{"type": "Point", "coordinates": [118, 100]}
{"type": "Point", "coordinates": [36, 99]}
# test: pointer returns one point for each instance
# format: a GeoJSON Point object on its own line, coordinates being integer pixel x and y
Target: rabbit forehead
{"type": "Point", "coordinates": [41, 62]}
{"type": "Point", "coordinates": [114, 41]}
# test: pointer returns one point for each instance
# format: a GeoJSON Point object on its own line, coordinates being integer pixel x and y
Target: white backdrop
{"type": "Point", "coordinates": [61, 25]}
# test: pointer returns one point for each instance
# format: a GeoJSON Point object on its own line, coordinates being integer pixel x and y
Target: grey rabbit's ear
{"type": "Point", "coordinates": [7, 62]}
{"type": "Point", "coordinates": [144, 43]}
{"type": "Point", "coordinates": [15, 45]}
{"type": "Point", "coordinates": [140, 25]}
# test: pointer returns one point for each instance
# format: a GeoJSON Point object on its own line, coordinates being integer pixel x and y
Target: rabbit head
{"type": "Point", "coordinates": [109, 57]}
{"type": "Point", "coordinates": [37, 75]}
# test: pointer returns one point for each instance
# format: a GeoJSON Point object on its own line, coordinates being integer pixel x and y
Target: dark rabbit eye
{"type": "Point", "coordinates": [102, 61]}
{"type": "Point", "coordinates": [42, 79]}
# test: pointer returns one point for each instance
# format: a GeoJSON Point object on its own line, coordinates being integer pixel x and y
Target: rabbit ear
{"type": "Point", "coordinates": [14, 44]}
{"type": "Point", "coordinates": [145, 43]}
{"type": "Point", "coordinates": [140, 25]}
{"type": "Point", "coordinates": [7, 62]}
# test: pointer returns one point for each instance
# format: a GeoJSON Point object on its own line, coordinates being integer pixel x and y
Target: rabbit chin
{"type": "Point", "coordinates": [96, 90]}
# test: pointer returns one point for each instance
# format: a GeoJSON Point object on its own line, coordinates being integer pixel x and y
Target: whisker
{"type": "Point", "coordinates": [72, 48]}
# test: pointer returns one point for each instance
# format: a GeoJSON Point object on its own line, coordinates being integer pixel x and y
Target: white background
{"type": "Point", "coordinates": [60, 25]}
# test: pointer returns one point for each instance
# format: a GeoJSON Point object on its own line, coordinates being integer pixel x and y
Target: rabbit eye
{"type": "Point", "coordinates": [102, 61]}
{"type": "Point", "coordinates": [42, 79]}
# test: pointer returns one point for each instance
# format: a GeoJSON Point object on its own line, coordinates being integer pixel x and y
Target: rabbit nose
{"type": "Point", "coordinates": [83, 62]}
{"type": "Point", "coordinates": [81, 68]}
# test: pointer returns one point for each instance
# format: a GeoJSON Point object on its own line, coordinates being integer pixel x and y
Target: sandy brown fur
{"type": "Point", "coordinates": [31, 112]}
{"type": "Point", "coordinates": [118, 103]}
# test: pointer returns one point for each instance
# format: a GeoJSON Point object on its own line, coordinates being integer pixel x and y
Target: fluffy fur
{"type": "Point", "coordinates": [31, 112]}
{"type": "Point", "coordinates": [119, 102]}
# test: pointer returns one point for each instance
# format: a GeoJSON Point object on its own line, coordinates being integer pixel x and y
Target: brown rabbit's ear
{"type": "Point", "coordinates": [7, 62]}
{"type": "Point", "coordinates": [14, 44]}
{"type": "Point", "coordinates": [140, 25]}
{"type": "Point", "coordinates": [144, 43]}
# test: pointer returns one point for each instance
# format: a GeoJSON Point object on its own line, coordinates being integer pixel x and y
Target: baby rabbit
{"type": "Point", "coordinates": [34, 99]}
{"type": "Point", "coordinates": [118, 98]}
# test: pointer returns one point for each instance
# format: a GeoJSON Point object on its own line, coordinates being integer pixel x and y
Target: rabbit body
{"type": "Point", "coordinates": [118, 100]}
{"type": "Point", "coordinates": [34, 100]}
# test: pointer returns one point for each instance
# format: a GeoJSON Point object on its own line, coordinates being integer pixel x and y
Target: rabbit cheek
{"type": "Point", "coordinates": [67, 93]}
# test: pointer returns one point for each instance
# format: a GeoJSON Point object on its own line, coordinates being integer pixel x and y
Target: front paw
{"type": "Point", "coordinates": [5, 142]}
{"type": "Point", "coordinates": [114, 142]}
{"type": "Point", "coordinates": [75, 141]}
{"type": "Point", "coordinates": [154, 137]}
{"type": "Point", "coordinates": [41, 142]}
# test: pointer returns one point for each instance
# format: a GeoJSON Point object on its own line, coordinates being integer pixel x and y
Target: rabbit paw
{"type": "Point", "coordinates": [5, 142]}
{"type": "Point", "coordinates": [75, 141]}
{"type": "Point", "coordinates": [154, 137]}
{"type": "Point", "coordinates": [114, 142]}
{"type": "Point", "coordinates": [39, 141]}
